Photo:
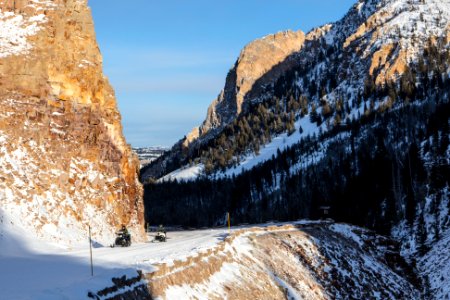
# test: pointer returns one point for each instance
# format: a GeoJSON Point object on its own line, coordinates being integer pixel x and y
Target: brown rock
{"type": "Point", "coordinates": [260, 62]}
{"type": "Point", "coordinates": [58, 97]}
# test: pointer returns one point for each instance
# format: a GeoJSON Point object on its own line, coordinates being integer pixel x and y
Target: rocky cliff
{"type": "Point", "coordinates": [332, 67]}
{"type": "Point", "coordinates": [64, 162]}
{"type": "Point", "coordinates": [261, 62]}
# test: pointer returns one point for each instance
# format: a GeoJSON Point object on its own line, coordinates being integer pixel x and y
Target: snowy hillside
{"type": "Point", "coordinates": [305, 261]}
{"type": "Point", "coordinates": [279, 143]}
{"type": "Point", "coordinates": [378, 39]}
{"type": "Point", "coordinates": [435, 265]}
{"type": "Point", "coordinates": [312, 260]}
{"type": "Point", "coordinates": [358, 121]}
{"type": "Point", "coordinates": [184, 174]}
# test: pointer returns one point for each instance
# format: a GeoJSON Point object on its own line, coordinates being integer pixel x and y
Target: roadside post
{"type": "Point", "coordinates": [90, 250]}
{"type": "Point", "coordinates": [229, 226]}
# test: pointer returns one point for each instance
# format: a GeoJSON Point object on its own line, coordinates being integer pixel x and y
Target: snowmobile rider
{"type": "Point", "coordinates": [124, 232]}
{"type": "Point", "coordinates": [162, 229]}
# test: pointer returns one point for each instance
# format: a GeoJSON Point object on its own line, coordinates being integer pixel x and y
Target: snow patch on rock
{"type": "Point", "coordinates": [15, 30]}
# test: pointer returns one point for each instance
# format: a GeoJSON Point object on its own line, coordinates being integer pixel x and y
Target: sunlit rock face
{"type": "Point", "coordinates": [261, 62]}
{"type": "Point", "coordinates": [64, 163]}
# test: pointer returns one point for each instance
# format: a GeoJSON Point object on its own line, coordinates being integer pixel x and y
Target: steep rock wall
{"type": "Point", "coordinates": [64, 162]}
{"type": "Point", "coordinates": [260, 62]}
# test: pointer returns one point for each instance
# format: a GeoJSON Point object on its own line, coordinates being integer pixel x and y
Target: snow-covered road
{"type": "Point", "coordinates": [31, 269]}
{"type": "Point", "coordinates": [36, 271]}
{"type": "Point", "coordinates": [179, 245]}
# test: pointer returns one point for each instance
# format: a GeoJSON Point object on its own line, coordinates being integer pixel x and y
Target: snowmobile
{"type": "Point", "coordinates": [123, 239]}
{"type": "Point", "coordinates": [160, 235]}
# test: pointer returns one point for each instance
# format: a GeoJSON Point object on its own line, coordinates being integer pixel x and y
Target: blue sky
{"type": "Point", "coordinates": [167, 59]}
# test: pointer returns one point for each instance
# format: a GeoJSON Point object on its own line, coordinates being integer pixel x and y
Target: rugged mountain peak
{"type": "Point", "coordinates": [318, 32]}
{"type": "Point", "coordinates": [64, 162]}
{"type": "Point", "coordinates": [260, 57]}
{"type": "Point", "coordinates": [395, 32]}
{"type": "Point", "coordinates": [260, 62]}
{"type": "Point", "coordinates": [371, 46]}
{"type": "Point", "coordinates": [388, 32]}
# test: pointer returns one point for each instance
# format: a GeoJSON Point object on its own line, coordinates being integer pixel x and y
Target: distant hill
{"type": "Point", "coordinates": [148, 154]}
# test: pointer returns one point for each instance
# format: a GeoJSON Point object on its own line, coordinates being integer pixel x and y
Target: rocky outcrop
{"type": "Point", "coordinates": [389, 34]}
{"type": "Point", "coordinates": [313, 261]}
{"type": "Point", "coordinates": [64, 162]}
{"type": "Point", "coordinates": [261, 62]}
{"type": "Point", "coordinates": [396, 33]}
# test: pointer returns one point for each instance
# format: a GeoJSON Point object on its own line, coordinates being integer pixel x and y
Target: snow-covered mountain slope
{"type": "Point", "coordinates": [184, 174]}
{"type": "Point", "coordinates": [259, 58]}
{"type": "Point", "coordinates": [310, 261]}
{"type": "Point", "coordinates": [372, 46]}
{"type": "Point", "coordinates": [426, 241]}
{"type": "Point", "coordinates": [435, 267]}
{"type": "Point", "coordinates": [250, 160]}
{"type": "Point", "coordinates": [371, 93]}
{"type": "Point", "coordinates": [380, 39]}
{"type": "Point", "coordinates": [64, 163]}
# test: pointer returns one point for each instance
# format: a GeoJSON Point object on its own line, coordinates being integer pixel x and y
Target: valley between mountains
{"type": "Point", "coordinates": [327, 151]}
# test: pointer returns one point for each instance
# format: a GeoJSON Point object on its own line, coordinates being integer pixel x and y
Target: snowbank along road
{"type": "Point", "coordinates": [301, 260]}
